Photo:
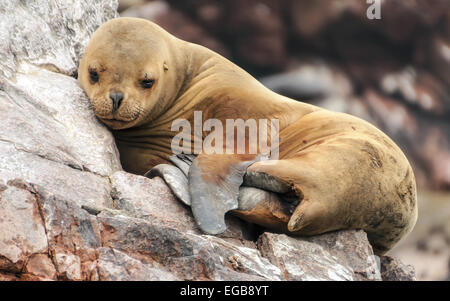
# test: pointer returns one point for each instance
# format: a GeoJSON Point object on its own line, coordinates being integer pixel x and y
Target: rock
{"type": "Point", "coordinates": [418, 88]}
{"type": "Point", "coordinates": [440, 56]}
{"type": "Point", "coordinates": [73, 236]}
{"type": "Point", "coordinates": [54, 125]}
{"type": "Point", "coordinates": [125, 4]}
{"type": "Point", "coordinates": [50, 134]}
{"type": "Point", "coordinates": [309, 81]}
{"type": "Point", "coordinates": [344, 255]}
{"type": "Point", "coordinates": [48, 114]}
{"type": "Point", "coordinates": [254, 29]}
{"type": "Point", "coordinates": [21, 226]}
{"type": "Point", "coordinates": [40, 267]}
{"type": "Point", "coordinates": [413, 16]}
{"type": "Point", "coordinates": [114, 265]}
{"type": "Point", "coordinates": [189, 256]}
{"type": "Point", "coordinates": [46, 35]}
{"type": "Point", "coordinates": [50, 138]}
{"type": "Point", "coordinates": [311, 17]}
{"type": "Point", "coordinates": [393, 270]}
{"type": "Point", "coordinates": [209, 14]}
{"type": "Point", "coordinates": [261, 38]}
{"type": "Point", "coordinates": [8, 277]}
{"type": "Point", "coordinates": [69, 266]}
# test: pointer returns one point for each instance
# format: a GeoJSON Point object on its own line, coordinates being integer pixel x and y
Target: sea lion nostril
{"type": "Point", "coordinates": [116, 98]}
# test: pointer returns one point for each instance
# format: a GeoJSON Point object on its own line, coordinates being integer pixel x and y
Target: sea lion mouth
{"type": "Point", "coordinates": [117, 124]}
{"type": "Point", "coordinates": [114, 117]}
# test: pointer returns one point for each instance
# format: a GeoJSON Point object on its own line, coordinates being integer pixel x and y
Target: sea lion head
{"type": "Point", "coordinates": [125, 72]}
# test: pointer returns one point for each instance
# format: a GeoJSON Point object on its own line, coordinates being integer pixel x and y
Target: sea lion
{"type": "Point", "coordinates": [333, 171]}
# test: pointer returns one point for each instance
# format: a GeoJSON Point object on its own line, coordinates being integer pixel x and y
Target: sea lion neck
{"type": "Point", "coordinates": [190, 59]}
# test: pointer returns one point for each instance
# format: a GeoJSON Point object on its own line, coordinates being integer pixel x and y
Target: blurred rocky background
{"type": "Point", "coordinates": [393, 72]}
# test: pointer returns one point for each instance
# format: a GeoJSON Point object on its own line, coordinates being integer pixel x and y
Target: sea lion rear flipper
{"type": "Point", "coordinates": [214, 182]}
{"type": "Point", "coordinates": [264, 208]}
{"type": "Point", "coordinates": [301, 187]}
{"type": "Point", "coordinates": [176, 177]}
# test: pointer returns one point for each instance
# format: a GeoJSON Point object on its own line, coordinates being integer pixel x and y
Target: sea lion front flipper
{"type": "Point", "coordinates": [214, 182]}
{"type": "Point", "coordinates": [183, 162]}
{"type": "Point", "coordinates": [174, 178]}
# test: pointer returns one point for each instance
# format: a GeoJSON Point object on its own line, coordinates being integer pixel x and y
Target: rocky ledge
{"type": "Point", "coordinates": [69, 211]}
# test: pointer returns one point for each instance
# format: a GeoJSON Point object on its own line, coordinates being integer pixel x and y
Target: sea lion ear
{"type": "Point", "coordinates": [165, 66]}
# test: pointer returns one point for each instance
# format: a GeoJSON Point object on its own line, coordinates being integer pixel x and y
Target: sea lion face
{"type": "Point", "coordinates": [122, 72]}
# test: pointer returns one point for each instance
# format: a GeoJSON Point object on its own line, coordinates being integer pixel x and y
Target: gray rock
{"type": "Point", "coordinates": [48, 34]}
{"type": "Point", "coordinates": [343, 255]}
{"type": "Point", "coordinates": [48, 115]}
{"type": "Point", "coordinates": [189, 255]}
{"type": "Point", "coordinates": [114, 265]}
{"type": "Point", "coordinates": [311, 80]}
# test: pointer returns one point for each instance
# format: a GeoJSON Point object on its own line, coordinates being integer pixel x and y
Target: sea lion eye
{"type": "Point", "coordinates": [147, 83]}
{"type": "Point", "coordinates": [93, 75]}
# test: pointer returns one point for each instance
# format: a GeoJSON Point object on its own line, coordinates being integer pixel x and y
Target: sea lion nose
{"type": "Point", "coordinates": [116, 98]}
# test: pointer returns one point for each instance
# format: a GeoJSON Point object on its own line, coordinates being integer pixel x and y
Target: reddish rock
{"type": "Point", "coordinates": [394, 270]}
{"type": "Point", "coordinates": [253, 30]}
{"type": "Point", "coordinates": [258, 32]}
{"type": "Point", "coordinates": [440, 57]}
{"type": "Point", "coordinates": [8, 277]}
{"type": "Point", "coordinates": [310, 18]}
{"type": "Point", "coordinates": [41, 266]}
{"type": "Point", "coordinates": [22, 232]}
{"type": "Point", "coordinates": [418, 88]}
{"type": "Point", "coordinates": [211, 14]}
